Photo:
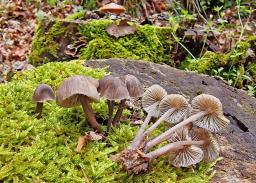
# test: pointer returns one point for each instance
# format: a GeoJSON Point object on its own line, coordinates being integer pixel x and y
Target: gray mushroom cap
{"type": "Point", "coordinates": [152, 98]}
{"type": "Point", "coordinates": [133, 85]}
{"type": "Point", "coordinates": [186, 156]}
{"type": "Point", "coordinates": [75, 86]}
{"type": "Point", "coordinates": [214, 120]}
{"type": "Point", "coordinates": [113, 88]}
{"type": "Point", "coordinates": [211, 147]}
{"type": "Point", "coordinates": [43, 93]}
{"type": "Point", "coordinates": [177, 102]}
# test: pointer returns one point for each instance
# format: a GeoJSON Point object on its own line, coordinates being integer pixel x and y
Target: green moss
{"type": "Point", "coordinates": [42, 150]}
{"type": "Point", "coordinates": [147, 43]}
{"type": "Point", "coordinates": [45, 45]}
{"type": "Point", "coordinates": [209, 61]}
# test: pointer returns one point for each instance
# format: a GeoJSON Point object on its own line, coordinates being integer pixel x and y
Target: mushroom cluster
{"type": "Point", "coordinates": [190, 139]}
{"type": "Point", "coordinates": [82, 90]}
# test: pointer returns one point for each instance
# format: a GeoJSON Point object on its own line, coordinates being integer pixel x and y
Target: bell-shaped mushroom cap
{"type": "Point", "coordinates": [177, 102]}
{"type": "Point", "coordinates": [133, 85]}
{"type": "Point", "coordinates": [152, 98]}
{"type": "Point", "coordinates": [211, 147]}
{"type": "Point", "coordinates": [186, 156]}
{"type": "Point", "coordinates": [113, 88]}
{"type": "Point", "coordinates": [75, 86]}
{"type": "Point", "coordinates": [43, 93]}
{"type": "Point", "coordinates": [214, 120]}
{"type": "Point", "coordinates": [112, 8]}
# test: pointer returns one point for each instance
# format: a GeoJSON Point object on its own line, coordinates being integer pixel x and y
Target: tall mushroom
{"type": "Point", "coordinates": [113, 88]}
{"type": "Point", "coordinates": [135, 90]}
{"type": "Point", "coordinates": [150, 102]}
{"type": "Point", "coordinates": [42, 93]}
{"type": "Point", "coordinates": [80, 90]}
{"type": "Point", "coordinates": [206, 113]}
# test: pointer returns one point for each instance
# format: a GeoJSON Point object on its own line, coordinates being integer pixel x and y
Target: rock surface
{"type": "Point", "coordinates": [238, 143]}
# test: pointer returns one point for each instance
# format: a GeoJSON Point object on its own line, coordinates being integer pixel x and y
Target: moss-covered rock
{"type": "Point", "coordinates": [42, 150]}
{"type": "Point", "coordinates": [147, 43]}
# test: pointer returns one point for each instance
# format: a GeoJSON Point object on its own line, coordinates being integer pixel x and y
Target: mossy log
{"type": "Point", "coordinates": [60, 40]}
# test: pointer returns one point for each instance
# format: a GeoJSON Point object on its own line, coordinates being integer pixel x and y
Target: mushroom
{"type": "Point", "coordinates": [42, 93]}
{"type": "Point", "coordinates": [182, 150]}
{"type": "Point", "coordinates": [150, 102]}
{"type": "Point", "coordinates": [113, 88]}
{"type": "Point", "coordinates": [80, 90]}
{"type": "Point", "coordinates": [211, 147]}
{"type": "Point", "coordinates": [112, 8]}
{"type": "Point", "coordinates": [173, 108]}
{"type": "Point", "coordinates": [135, 89]}
{"type": "Point", "coordinates": [206, 113]}
{"type": "Point", "coordinates": [187, 155]}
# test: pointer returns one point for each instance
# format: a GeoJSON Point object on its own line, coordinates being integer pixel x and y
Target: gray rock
{"type": "Point", "coordinates": [238, 143]}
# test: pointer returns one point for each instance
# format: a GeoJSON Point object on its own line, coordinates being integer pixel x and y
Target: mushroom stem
{"type": "Point", "coordinates": [172, 147]}
{"type": "Point", "coordinates": [139, 137]}
{"type": "Point", "coordinates": [157, 123]}
{"type": "Point", "coordinates": [119, 112]}
{"type": "Point", "coordinates": [39, 109]}
{"type": "Point", "coordinates": [164, 136]}
{"type": "Point", "coordinates": [90, 116]}
{"type": "Point", "coordinates": [110, 113]}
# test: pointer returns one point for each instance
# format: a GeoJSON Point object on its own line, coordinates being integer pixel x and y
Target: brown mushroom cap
{"type": "Point", "coordinates": [113, 88]}
{"type": "Point", "coordinates": [186, 156]}
{"type": "Point", "coordinates": [75, 86]}
{"type": "Point", "coordinates": [211, 147]}
{"type": "Point", "coordinates": [214, 120]}
{"type": "Point", "coordinates": [177, 102]}
{"type": "Point", "coordinates": [152, 98]}
{"type": "Point", "coordinates": [133, 85]}
{"type": "Point", "coordinates": [43, 93]}
{"type": "Point", "coordinates": [112, 8]}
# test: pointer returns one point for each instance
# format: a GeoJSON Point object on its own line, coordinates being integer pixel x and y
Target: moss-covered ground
{"type": "Point", "coordinates": [42, 150]}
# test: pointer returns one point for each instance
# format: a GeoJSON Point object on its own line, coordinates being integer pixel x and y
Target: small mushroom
{"type": "Point", "coordinates": [42, 94]}
{"type": "Point", "coordinates": [113, 88]}
{"type": "Point", "coordinates": [173, 108]}
{"type": "Point", "coordinates": [135, 90]}
{"type": "Point", "coordinates": [80, 90]}
{"type": "Point", "coordinates": [112, 8]}
{"type": "Point", "coordinates": [207, 113]}
{"type": "Point", "coordinates": [150, 102]}
{"type": "Point", "coordinates": [183, 151]}
{"type": "Point", "coordinates": [211, 147]}
{"type": "Point", "coordinates": [187, 155]}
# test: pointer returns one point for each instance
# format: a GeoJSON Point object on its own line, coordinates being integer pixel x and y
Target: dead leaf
{"type": "Point", "coordinates": [89, 136]}
{"type": "Point", "coordinates": [120, 30]}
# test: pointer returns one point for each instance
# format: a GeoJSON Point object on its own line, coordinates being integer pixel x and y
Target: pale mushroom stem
{"type": "Point", "coordinates": [39, 109]}
{"type": "Point", "coordinates": [119, 112]}
{"type": "Point", "coordinates": [164, 136]}
{"type": "Point", "coordinates": [110, 113]}
{"type": "Point", "coordinates": [139, 137]}
{"type": "Point", "coordinates": [157, 123]}
{"type": "Point", "coordinates": [89, 113]}
{"type": "Point", "coordinates": [172, 147]}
